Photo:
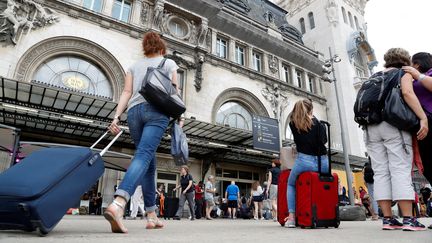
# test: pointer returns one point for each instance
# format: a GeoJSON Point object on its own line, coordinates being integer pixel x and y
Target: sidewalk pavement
{"type": "Point", "coordinates": [75, 229]}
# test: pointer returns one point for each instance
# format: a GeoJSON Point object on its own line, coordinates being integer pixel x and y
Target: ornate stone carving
{"type": "Point", "coordinates": [332, 11]}
{"type": "Point", "coordinates": [239, 5]}
{"type": "Point", "coordinates": [273, 64]}
{"type": "Point", "coordinates": [199, 60]}
{"type": "Point", "coordinates": [145, 12]}
{"type": "Point", "coordinates": [158, 13]}
{"type": "Point", "coordinates": [359, 42]}
{"type": "Point", "coordinates": [203, 30]}
{"type": "Point", "coordinates": [277, 99]}
{"type": "Point", "coordinates": [294, 6]}
{"type": "Point", "coordinates": [358, 5]}
{"type": "Point", "coordinates": [19, 17]}
{"type": "Point", "coordinates": [290, 31]}
{"type": "Point", "coordinates": [51, 47]}
{"type": "Point", "coordinates": [269, 17]}
{"type": "Point", "coordinates": [191, 28]}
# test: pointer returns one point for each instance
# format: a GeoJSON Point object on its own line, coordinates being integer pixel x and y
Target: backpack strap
{"type": "Point", "coordinates": [162, 63]}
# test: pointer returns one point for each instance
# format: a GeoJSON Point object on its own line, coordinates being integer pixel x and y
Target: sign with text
{"type": "Point", "coordinates": [265, 134]}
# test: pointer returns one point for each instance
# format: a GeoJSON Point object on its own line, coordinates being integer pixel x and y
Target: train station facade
{"type": "Point", "coordinates": [62, 73]}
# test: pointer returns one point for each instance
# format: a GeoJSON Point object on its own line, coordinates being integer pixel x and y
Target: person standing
{"type": "Point", "coordinates": [390, 149]}
{"type": "Point", "coordinates": [199, 200]}
{"type": "Point", "coordinates": [210, 190]}
{"type": "Point", "coordinates": [273, 180]}
{"type": "Point", "coordinates": [136, 201]}
{"type": "Point", "coordinates": [257, 198]}
{"type": "Point", "coordinates": [310, 137]}
{"type": "Point", "coordinates": [368, 178]}
{"type": "Point", "coordinates": [99, 201]}
{"type": "Point", "coordinates": [187, 193]}
{"type": "Point", "coordinates": [232, 195]}
{"type": "Point", "coordinates": [147, 125]}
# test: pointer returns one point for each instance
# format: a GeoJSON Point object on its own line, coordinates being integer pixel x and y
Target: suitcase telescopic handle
{"type": "Point", "coordinates": [327, 124]}
{"type": "Point", "coordinates": [110, 144]}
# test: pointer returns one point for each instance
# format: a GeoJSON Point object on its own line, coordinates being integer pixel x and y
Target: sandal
{"type": "Point", "coordinates": [290, 223]}
{"type": "Point", "coordinates": [114, 215]}
{"type": "Point", "coordinates": [154, 223]}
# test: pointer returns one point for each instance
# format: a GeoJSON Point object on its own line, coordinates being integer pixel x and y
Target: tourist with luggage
{"type": "Point", "coordinates": [257, 198]}
{"type": "Point", "coordinates": [273, 180]}
{"type": "Point", "coordinates": [187, 193]}
{"type": "Point", "coordinates": [309, 134]}
{"type": "Point", "coordinates": [147, 125]}
{"type": "Point", "coordinates": [390, 147]}
{"type": "Point", "coordinates": [210, 190]}
{"type": "Point", "coordinates": [232, 195]}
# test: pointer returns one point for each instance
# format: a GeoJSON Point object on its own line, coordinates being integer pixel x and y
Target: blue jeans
{"type": "Point", "coordinates": [147, 126]}
{"type": "Point", "coordinates": [303, 163]}
{"type": "Point", "coordinates": [370, 187]}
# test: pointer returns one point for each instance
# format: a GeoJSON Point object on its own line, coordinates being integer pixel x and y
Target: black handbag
{"type": "Point", "coordinates": [159, 91]}
{"type": "Point", "coordinates": [396, 112]}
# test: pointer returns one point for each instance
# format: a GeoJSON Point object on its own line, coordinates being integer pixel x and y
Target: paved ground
{"type": "Point", "coordinates": [94, 229]}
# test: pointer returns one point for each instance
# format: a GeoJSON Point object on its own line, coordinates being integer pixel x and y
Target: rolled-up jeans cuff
{"type": "Point", "coordinates": [122, 193]}
{"type": "Point", "coordinates": [151, 209]}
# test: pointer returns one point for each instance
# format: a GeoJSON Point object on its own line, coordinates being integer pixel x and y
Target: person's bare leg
{"type": "Point", "coordinates": [406, 208]}
{"type": "Point", "coordinates": [114, 215]}
{"type": "Point", "coordinates": [274, 208]}
{"type": "Point", "coordinates": [229, 213]}
{"type": "Point", "coordinates": [386, 208]}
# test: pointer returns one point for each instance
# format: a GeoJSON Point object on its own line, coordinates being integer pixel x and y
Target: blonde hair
{"type": "Point", "coordinates": [186, 168]}
{"type": "Point", "coordinates": [255, 186]}
{"type": "Point", "coordinates": [300, 115]}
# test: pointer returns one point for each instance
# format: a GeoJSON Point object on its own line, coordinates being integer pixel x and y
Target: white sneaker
{"type": "Point", "coordinates": [290, 224]}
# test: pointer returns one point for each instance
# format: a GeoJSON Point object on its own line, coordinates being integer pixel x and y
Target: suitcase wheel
{"type": "Point", "coordinates": [41, 232]}
{"type": "Point", "coordinates": [337, 225]}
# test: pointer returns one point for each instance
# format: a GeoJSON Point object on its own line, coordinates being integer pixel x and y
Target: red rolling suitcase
{"type": "Point", "coordinates": [282, 204]}
{"type": "Point", "coordinates": [317, 196]}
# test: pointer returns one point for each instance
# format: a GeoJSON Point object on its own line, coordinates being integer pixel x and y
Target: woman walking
{"type": "Point", "coordinates": [310, 137]}
{"type": "Point", "coordinates": [187, 193]}
{"type": "Point", "coordinates": [390, 149]}
{"type": "Point", "coordinates": [257, 198]}
{"type": "Point", "coordinates": [147, 126]}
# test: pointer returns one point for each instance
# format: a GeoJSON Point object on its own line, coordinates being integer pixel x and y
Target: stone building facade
{"type": "Point", "coordinates": [236, 58]}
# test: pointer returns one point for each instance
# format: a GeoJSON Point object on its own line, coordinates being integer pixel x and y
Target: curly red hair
{"type": "Point", "coordinates": [153, 44]}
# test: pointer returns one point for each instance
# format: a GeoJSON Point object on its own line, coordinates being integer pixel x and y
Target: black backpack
{"type": "Point", "coordinates": [371, 98]}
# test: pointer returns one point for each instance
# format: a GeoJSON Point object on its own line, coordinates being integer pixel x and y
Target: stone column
{"type": "Point", "coordinates": [265, 64]}
{"type": "Point", "coordinates": [231, 50]}
{"type": "Point", "coordinates": [107, 9]}
{"type": "Point", "coordinates": [249, 57]}
{"type": "Point", "coordinates": [293, 76]}
{"type": "Point", "coordinates": [213, 44]}
{"type": "Point", "coordinates": [136, 12]}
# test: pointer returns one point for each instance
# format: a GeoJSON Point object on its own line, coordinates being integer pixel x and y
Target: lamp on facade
{"type": "Point", "coordinates": [327, 69]}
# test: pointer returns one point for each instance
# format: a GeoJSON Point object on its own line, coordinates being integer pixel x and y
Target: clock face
{"type": "Point", "coordinates": [74, 73]}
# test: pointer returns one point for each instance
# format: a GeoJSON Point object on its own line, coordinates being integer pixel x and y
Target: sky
{"type": "Point", "coordinates": [399, 23]}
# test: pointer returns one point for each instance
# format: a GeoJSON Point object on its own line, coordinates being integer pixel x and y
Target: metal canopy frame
{"type": "Point", "coordinates": [54, 113]}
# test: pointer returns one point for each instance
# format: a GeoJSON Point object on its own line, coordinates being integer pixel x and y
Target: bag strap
{"type": "Point", "coordinates": [162, 63]}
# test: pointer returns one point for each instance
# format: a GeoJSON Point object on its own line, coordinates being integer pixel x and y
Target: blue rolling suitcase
{"type": "Point", "coordinates": [36, 193]}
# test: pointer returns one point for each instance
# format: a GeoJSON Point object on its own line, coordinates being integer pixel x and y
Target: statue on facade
{"type": "Point", "coordinates": [273, 64]}
{"type": "Point", "coordinates": [193, 37]}
{"type": "Point", "coordinates": [277, 99]}
{"type": "Point", "coordinates": [23, 15]}
{"type": "Point", "coordinates": [145, 13]}
{"type": "Point", "coordinates": [158, 13]}
{"type": "Point", "coordinates": [332, 12]}
{"type": "Point", "coordinates": [202, 35]}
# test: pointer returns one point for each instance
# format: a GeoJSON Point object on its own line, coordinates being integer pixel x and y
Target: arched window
{"type": "Point", "coordinates": [351, 22]}
{"type": "Point", "coordinates": [75, 73]}
{"type": "Point", "coordinates": [302, 26]}
{"type": "Point", "coordinates": [356, 23]}
{"type": "Point", "coordinates": [344, 15]}
{"type": "Point", "coordinates": [234, 115]}
{"type": "Point", "coordinates": [311, 20]}
{"type": "Point", "coordinates": [288, 133]}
